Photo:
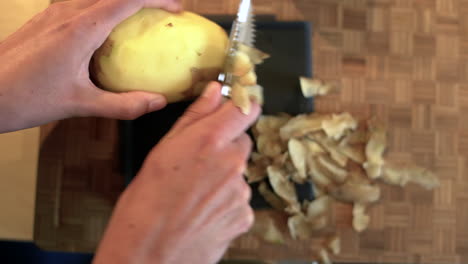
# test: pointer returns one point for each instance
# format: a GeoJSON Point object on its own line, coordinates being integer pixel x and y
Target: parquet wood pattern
{"type": "Point", "coordinates": [402, 60]}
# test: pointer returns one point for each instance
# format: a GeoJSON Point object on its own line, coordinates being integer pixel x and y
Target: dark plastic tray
{"type": "Point", "coordinates": [290, 46]}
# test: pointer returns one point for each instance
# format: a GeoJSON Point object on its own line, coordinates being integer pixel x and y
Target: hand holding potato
{"type": "Point", "coordinates": [44, 72]}
{"type": "Point", "coordinates": [190, 199]}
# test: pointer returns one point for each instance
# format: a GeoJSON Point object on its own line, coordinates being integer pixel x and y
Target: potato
{"type": "Point", "coordinates": [161, 52]}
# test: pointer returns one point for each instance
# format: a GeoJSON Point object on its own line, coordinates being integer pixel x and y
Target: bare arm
{"type": "Point", "coordinates": [44, 66]}
{"type": "Point", "coordinates": [190, 199]}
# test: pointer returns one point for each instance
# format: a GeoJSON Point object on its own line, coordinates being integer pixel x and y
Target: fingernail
{"type": "Point", "coordinates": [211, 90]}
{"type": "Point", "coordinates": [157, 103]}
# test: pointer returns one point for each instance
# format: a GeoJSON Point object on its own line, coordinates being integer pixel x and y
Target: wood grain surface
{"type": "Point", "coordinates": [402, 60]}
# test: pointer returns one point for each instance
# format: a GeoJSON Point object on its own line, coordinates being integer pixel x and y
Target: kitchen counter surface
{"type": "Point", "coordinates": [404, 61]}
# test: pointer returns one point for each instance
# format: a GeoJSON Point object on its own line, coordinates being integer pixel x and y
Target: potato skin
{"type": "Point", "coordinates": [161, 52]}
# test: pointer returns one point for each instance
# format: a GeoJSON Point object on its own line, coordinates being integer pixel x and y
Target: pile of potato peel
{"type": "Point", "coordinates": [244, 85]}
{"type": "Point", "coordinates": [344, 160]}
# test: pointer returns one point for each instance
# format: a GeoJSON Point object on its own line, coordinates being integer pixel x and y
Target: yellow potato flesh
{"type": "Point", "coordinates": [161, 52]}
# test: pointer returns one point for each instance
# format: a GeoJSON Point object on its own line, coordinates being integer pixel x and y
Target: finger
{"type": "Point", "coordinates": [208, 102]}
{"type": "Point", "coordinates": [243, 146]}
{"type": "Point", "coordinates": [228, 123]}
{"type": "Point", "coordinates": [80, 4]}
{"type": "Point", "coordinates": [124, 106]}
{"type": "Point", "coordinates": [224, 200]}
{"type": "Point", "coordinates": [169, 5]}
{"type": "Point", "coordinates": [112, 12]}
{"type": "Point", "coordinates": [240, 221]}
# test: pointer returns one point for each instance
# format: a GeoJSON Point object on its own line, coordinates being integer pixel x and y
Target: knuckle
{"type": "Point", "coordinates": [192, 112]}
{"type": "Point", "coordinates": [213, 140]}
{"type": "Point", "coordinates": [247, 146]}
{"type": "Point", "coordinates": [76, 27]}
{"type": "Point", "coordinates": [248, 219]}
{"type": "Point", "coordinates": [73, 28]}
{"type": "Point", "coordinates": [240, 165]}
{"type": "Point", "coordinates": [246, 191]}
{"type": "Point", "coordinates": [249, 142]}
{"type": "Point", "coordinates": [245, 142]}
{"type": "Point", "coordinates": [128, 112]}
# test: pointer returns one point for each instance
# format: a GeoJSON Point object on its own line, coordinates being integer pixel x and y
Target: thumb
{"type": "Point", "coordinates": [124, 106]}
{"type": "Point", "coordinates": [206, 104]}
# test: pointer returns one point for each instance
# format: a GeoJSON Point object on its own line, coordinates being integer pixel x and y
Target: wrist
{"type": "Point", "coordinates": [22, 107]}
{"type": "Point", "coordinates": [10, 115]}
{"type": "Point", "coordinates": [139, 232]}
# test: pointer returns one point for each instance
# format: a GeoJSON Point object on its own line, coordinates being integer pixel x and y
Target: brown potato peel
{"type": "Point", "coordinates": [345, 162]}
{"type": "Point", "coordinates": [245, 87]}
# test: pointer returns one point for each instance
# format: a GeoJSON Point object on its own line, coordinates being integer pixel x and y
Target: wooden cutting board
{"type": "Point", "coordinates": [404, 61]}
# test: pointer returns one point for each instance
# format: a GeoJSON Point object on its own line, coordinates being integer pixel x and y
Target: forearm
{"type": "Point", "coordinates": [10, 116]}
{"type": "Point", "coordinates": [16, 111]}
{"type": "Point", "coordinates": [27, 98]}
{"type": "Point", "coordinates": [139, 230]}
{"type": "Point", "coordinates": [13, 109]}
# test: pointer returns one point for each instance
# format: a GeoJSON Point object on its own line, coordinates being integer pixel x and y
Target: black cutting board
{"type": "Point", "coordinates": [290, 48]}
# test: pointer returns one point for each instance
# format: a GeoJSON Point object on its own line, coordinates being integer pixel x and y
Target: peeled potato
{"type": "Point", "coordinates": [161, 52]}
